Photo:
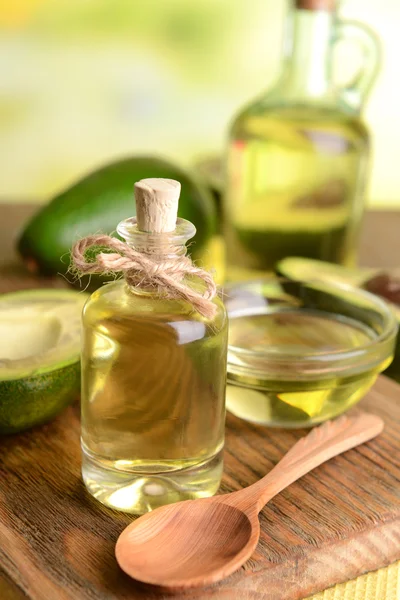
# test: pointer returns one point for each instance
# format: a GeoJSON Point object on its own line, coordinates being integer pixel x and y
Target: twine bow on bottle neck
{"type": "Point", "coordinates": [164, 277]}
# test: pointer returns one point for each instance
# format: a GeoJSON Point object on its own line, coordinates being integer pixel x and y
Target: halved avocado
{"type": "Point", "coordinates": [382, 282]}
{"type": "Point", "coordinates": [39, 355]}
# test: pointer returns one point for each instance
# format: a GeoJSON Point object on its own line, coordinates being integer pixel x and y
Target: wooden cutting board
{"type": "Point", "coordinates": [341, 520]}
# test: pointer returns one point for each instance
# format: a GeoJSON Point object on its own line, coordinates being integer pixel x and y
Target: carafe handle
{"type": "Point", "coordinates": [355, 92]}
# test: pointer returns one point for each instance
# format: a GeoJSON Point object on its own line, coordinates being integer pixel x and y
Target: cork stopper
{"type": "Point", "coordinates": [326, 5]}
{"type": "Point", "coordinates": [157, 204]}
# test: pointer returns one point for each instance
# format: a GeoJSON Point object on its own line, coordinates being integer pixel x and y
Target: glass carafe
{"type": "Point", "coordinates": [298, 157]}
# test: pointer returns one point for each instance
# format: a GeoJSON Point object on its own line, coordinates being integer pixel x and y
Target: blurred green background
{"type": "Point", "coordinates": [85, 81]}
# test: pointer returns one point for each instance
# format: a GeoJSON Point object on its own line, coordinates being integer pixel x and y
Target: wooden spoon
{"type": "Point", "coordinates": [198, 542]}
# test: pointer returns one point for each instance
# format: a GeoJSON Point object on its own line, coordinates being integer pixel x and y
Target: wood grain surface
{"type": "Point", "coordinates": [341, 520]}
{"type": "Point", "coordinates": [230, 520]}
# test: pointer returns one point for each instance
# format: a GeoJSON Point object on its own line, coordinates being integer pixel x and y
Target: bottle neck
{"type": "Point", "coordinates": [307, 62]}
{"type": "Point", "coordinates": [160, 246]}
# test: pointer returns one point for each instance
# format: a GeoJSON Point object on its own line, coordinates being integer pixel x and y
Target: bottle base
{"type": "Point", "coordinates": [138, 493]}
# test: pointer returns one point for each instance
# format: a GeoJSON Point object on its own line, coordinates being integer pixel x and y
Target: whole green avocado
{"type": "Point", "coordinates": [98, 202]}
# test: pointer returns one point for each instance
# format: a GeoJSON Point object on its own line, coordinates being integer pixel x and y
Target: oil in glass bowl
{"type": "Point", "coordinates": [301, 353]}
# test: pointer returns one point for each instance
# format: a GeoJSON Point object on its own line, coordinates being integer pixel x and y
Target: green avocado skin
{"type": "Point", "coordinates": [34, 400]}
{"type": "Point", "coordinates": [355, 277]}
{"type": "Point", "coordinates": [98, 202]}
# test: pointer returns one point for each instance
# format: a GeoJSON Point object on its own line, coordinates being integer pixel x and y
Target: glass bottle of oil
{"type": "Point", "coordinates": [153, 386]}
{"type": "Point", "coordinates": [298, 156]}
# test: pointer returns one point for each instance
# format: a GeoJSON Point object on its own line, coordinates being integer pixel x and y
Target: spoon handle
{"type": "Point", "coordinates": [321, 444]}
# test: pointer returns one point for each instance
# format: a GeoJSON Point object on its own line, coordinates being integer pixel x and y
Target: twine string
{"type": "Point", "coordinates": [140, 270]}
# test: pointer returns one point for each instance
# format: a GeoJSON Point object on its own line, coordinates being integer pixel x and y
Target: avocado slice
{"type": "Point", "coordinates": [98, 202]}
{"type": "Point", "coordinates": [305, 269]}
{"type": "Point", "coordinates": [39, 355]}
{"type": "Point", "coordinates": [382, 282]}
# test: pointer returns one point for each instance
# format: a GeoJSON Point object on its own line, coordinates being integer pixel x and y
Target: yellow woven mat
{"type": "Point", "coordinates": [378, 585]}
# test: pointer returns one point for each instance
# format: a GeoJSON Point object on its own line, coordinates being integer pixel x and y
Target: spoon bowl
{"type": "Point", "coordinates": [199, 542]}
{"type": "Point", "coordinates": [163, 533]}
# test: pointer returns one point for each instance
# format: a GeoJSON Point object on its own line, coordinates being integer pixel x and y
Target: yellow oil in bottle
{"type": "Point", "coordinates": [287, 396]}
{"type": "Point", "coordinates": [153, 399]}
{"type": "Point", "coordinates": [294, 187]}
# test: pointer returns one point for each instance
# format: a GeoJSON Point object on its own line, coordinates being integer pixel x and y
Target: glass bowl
{"type": "Point", "coordinates": [302, 352]}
